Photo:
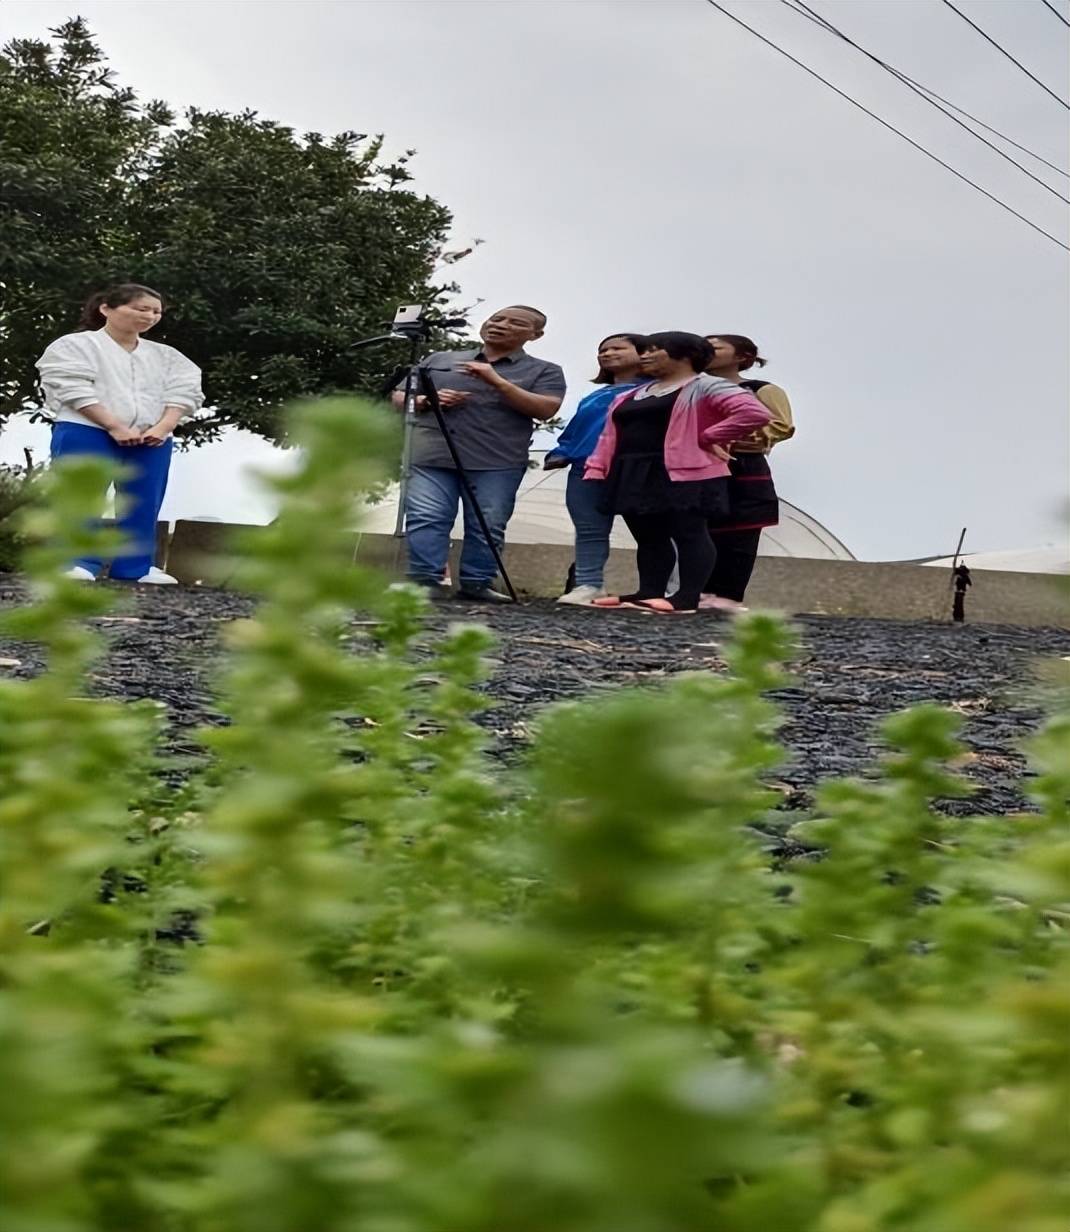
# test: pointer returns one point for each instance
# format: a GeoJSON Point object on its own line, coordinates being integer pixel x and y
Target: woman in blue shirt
{"type": "Point", "coordinates": [618, 370]}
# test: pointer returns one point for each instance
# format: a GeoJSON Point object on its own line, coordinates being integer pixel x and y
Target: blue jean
{"type": "Point", "coordinates": [592, 526]}
{"type": "Point", "coordinates": [431, 509]}
{"type": "Point", "coordinates": [140, 492]}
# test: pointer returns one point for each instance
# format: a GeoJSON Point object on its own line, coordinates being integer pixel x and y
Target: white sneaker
{"type": "Point", "coordinates": [583, 596]}
{"type": "Point", "coordinates": [77, 574]}
{"type": "Point", "coordinates": [157, 577]}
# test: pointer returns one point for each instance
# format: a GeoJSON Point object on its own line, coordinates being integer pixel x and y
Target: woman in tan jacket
{"type": "Point", "coordinates": [752, 497]}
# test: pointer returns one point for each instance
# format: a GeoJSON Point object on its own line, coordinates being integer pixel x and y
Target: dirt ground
{"type": "Point", "coordinates": [163, 644]}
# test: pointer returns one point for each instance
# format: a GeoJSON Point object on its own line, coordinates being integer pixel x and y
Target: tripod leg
{"type": "Point", "coordinates": [495, 491]}
{"type": "Point", "coordinates": [427, 388]}
{"type": "Point", "coordinates": [409, 413]}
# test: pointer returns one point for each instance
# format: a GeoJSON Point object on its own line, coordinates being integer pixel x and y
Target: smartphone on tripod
{"type": "Point", "coordinates": [408, 316]}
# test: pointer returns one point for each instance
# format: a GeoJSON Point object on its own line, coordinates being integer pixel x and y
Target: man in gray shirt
{"type": "Point", "coordinates": [492, 397]}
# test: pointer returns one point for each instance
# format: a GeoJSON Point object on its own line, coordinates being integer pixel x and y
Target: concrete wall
{"type": "Point", "coordinates": [207, 552]}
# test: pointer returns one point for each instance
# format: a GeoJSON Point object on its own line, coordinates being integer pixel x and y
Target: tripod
{"type": "Point", "coordinates": [418, 383]}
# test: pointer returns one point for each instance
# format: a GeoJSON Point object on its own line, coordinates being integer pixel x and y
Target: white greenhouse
{"type": "Point", "coordinates": [541, 517]}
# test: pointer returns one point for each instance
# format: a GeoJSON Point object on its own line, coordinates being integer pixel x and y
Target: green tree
{"type": "Point", "coordinates": [70, 141]}
{"type": "Point", "coordinates": [281, 253]}
{"type": "Point", "coordinates": [277, 250]}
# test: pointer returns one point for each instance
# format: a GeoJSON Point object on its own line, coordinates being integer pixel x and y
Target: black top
{"type": "Point", "coordinates": [641, 424]}
{"type": "Point", "coordinates": [638, 483]}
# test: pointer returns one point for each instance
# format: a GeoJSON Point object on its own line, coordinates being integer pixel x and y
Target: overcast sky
{"type": "Point", "coordinates": [646, 164]}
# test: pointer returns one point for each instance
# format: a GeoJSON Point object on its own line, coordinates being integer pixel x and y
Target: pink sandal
{"type": "Point", "coordinates": [663, 607]}
{"type": "Point", "coordinates": [616, 603]}
{"type": "Point", "coordinates": [714, 603]}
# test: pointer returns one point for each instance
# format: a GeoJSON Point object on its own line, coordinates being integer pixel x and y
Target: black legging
{"type": "Point", "coordinates": [655, 534]}
{"type": "Point", "coordinates": [736, 553]}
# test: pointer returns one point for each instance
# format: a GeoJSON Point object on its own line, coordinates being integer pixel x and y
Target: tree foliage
{"type": "Point", "coordinates": [278, 251]}
{"type": "Point", "coordinates": [577, 995]}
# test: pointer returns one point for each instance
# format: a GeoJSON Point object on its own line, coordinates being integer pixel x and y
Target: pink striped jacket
{"type": "Point", "coordinates": [708, 411]}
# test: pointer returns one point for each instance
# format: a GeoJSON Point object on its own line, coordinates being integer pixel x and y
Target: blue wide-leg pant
{"type": "Point", "coordinates": [140, 492]}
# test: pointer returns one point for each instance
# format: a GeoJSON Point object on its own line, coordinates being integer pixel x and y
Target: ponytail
{"type": "Point", "coordinates": [112, 297]}
{"type": "Point", "coordinates": [745, 348]}
{"type": "Point", "coordinates": [92, 317]}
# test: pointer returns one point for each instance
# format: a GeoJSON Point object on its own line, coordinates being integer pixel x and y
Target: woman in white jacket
{"type": "Point", "coordinates": [119, 396]}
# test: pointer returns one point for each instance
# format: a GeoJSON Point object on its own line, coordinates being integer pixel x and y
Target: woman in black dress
{"type": "Point", "coordinates": [663, 456]}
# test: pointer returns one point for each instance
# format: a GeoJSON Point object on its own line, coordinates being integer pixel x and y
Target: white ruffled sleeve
{"type": "Point", "coordinates": [182, 383]}
{"type": "Point", "coordinates": [69, 373]}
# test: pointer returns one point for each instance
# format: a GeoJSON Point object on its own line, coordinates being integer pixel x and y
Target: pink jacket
{"type": "Point", "coordinates": [708, 411]}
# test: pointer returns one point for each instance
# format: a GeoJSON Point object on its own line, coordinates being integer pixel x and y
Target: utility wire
{"type": "Point", "coordinates": [1048, 5]}
{"type": "Point", "coordinates": [1000, 48]}
{"type": "Point", "coordinates": [987, 127]}
{"type": "Point", "coordinates": [804, 10]}
{"type": "Point", "coordinates": [884, 123]}
{"type": "Point", "coordinates": [962, 111]}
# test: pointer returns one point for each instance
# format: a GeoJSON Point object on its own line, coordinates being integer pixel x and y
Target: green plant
{"type": "Point", "coordinates": [430, 996]}
{"type": "Point", "coordinates": [70, 769]}
{"type": "Point", "coordinates": [278, 250]}
{"type": "Point", "coordinates": [17, 489]}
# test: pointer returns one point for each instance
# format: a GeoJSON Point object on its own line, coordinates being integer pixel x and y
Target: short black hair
{"type": "Point", "coordinates": [537, 313]}
{"type": "Point", "coordinates": [638, 341]}
{"type": "Point", "coordinates": [678, 344]}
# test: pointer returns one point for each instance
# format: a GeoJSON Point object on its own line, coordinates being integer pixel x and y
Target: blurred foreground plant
{"type": "Point", "coordinates": [574, 996]}
{"type": "Point", "coordinates": [18, 488]}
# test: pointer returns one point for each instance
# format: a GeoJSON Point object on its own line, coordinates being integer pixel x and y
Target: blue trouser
{"type": "Point", "coordinates": [431, 509]}
{"type": "Point", "coordinates": [592, 526]}
{"type": "Point", "coordinates": [139, 493]}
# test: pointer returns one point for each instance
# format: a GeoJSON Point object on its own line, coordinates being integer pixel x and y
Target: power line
{"type": "Point", "coordinates": [1048, 5]}
{"type": "Point", "coordinates": [810, 14]}
{"type": "Point", "coordinates": [884, 123]}
{"type": "Point", "coordinates": [1000, 48]}
{"type": "Point", "coordinates": [962, 111]}
{"type": "Point", "coordinates": [988, 127]}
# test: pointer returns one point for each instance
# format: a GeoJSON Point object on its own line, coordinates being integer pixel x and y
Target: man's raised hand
{"type": "Point", "coordinates": [485, 372]}
{"type": "Point", "coordinates": [452, 397]}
